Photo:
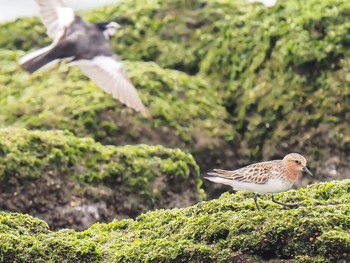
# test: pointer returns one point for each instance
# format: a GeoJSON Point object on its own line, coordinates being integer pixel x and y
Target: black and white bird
{"type": "Point", "coordinates": [86, 45]}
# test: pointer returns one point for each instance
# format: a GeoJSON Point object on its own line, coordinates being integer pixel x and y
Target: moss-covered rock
{"type": "Point", "coordinates": [185, 112]}
{"type": "Point", "coordinates": [229, 229]}
{"type": "Point", "coordinates": [281, 73]}
{"type": "Point", "coordinates": [74, 182]}
{"type": "Point", "coordinates": [27, 239]}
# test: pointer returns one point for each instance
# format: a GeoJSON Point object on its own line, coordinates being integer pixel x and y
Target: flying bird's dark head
{"type": "Point", "coordinates": [108, 28]}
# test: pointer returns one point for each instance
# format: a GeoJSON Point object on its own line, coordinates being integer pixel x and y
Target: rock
{"type": "Point", "coordinates": [229, 229]}
{"type": "Point", "coordinates": [256, 83]}
{"type": "Point", "coordinates": [74, 182]}
{"type": "Point", "coordinates": [185, 114]}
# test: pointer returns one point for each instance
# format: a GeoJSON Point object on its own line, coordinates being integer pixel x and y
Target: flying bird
{"type": "Point", "coordinates": [86, 45]}
{"type": "Point", "coordinates": [264, 177]}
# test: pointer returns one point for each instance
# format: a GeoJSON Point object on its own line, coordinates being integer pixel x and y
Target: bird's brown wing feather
{"type": "Point", "coordinates": [258, 173]}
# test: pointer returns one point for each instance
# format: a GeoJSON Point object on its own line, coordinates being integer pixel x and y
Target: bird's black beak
{"type": "Point", "coordinates": [305, 170]}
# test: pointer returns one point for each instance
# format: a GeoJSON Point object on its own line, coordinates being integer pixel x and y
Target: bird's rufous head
{"type": "Point", "coordinates": [296, 162]}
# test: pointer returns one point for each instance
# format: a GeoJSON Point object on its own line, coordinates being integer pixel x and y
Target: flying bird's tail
{"type": "Point", "coordinates": [37, 59]}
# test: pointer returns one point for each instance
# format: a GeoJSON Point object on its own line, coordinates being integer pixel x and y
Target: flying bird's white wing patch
{"type": "Point", "coordinates": [55, 16]}
{"type": "Point", "coordinates": [109, 74]}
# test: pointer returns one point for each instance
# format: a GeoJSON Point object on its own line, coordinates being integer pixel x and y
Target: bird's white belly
{"type": "Point", "coordinates": [271, 186]}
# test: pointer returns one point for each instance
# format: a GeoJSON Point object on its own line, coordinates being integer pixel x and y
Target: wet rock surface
{"type": "Point", "coordinates": [228, 229]}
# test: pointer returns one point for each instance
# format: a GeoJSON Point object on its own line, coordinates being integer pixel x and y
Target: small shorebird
{"type": "Point", "coordinates": [265, 177]}
{"type": "Point", "coordinates": [86, 45]}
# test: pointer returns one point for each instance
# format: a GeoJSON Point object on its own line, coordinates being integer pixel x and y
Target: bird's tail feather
{"type": "Point", "coordinates": [37, 59]}
{"type": "Point", "coordinates": [219, 180]}
{"type": "Point", "coordinates": [220, 173]}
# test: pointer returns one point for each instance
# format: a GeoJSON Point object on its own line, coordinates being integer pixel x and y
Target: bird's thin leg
{"type": "Point", "coordinates": [256, 201]}
{"type": "Point", "coordinates": [284, 204]}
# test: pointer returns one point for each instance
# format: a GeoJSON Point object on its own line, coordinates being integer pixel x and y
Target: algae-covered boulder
{"type": "Point", "coordinates": [276, 80]}
{"type": "Point", "coordinates": [281, 72]}
{"type": "Point", "coordinates": [27, 239]}
{"type": "Point", "coordinates": [229, 229]}
{"type": "Point", "coordinates": [185, 112]}
{"type": "Point", "coordinates": [74, 182]}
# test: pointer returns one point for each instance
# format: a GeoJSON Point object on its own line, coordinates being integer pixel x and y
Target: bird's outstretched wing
{"type": "Point", "coordinates": [109, 74]}
{"type": "Point", "coordinates": [55, 15]}
{"type": "Point", "coordinates": [258, 173]}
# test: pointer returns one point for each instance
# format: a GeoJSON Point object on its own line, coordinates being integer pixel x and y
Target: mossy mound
{"type": "Point", "coordinates": [281, 72]}
{"type": "Point", "coordinates": [229, 229]}
{"type": "Point", "coordinates": [278, 77]}
{"type": "Point", "coordinates": [27, 239]}
{"type": "Point", "coordinates": [185, 112]}
{"type": "Point", "coordinates": [74, 182]}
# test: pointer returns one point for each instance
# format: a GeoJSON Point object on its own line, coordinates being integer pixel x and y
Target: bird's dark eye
{"type": "Point", "coordinates": [297, 162]}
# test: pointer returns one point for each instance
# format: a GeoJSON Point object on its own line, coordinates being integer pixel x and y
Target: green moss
{"type": "Point", "coordinates": [224, 230]}
{"type": "Point", "coordinates": [20, 244]}
{"type": "Point", "coordinates": [23, 224]}
{"type": "Point", "coordinates": [60, 171]}
{"type": "Point", "coordinates": [268, 81]}
{"type": "Point", "coordinates": [183, 107]}
{"type": "Point", "coordinates": [274, 77]}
